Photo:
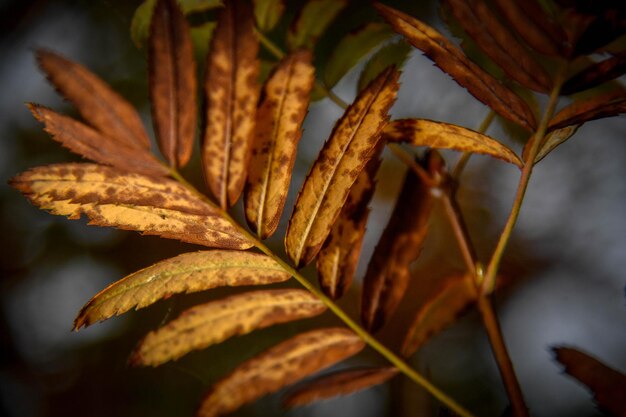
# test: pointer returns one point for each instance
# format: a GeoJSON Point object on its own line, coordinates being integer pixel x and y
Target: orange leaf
{"type": "Point", "coordinates": [173, 82]}
{"type": "Point", "coordinates": [232, 91]}
{"type": "Point", "coordinates": [454, 62]}
{"type": "Point", "coordinates": [598, 107]}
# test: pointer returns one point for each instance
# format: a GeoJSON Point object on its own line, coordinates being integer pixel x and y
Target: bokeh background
{"type": "Point", "coordinates": [566, 262]}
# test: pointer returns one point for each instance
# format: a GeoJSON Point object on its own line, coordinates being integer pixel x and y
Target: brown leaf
{"type": "Point", "coordinates": [173, 82]}
{"type": "Point", "coordinates": [100, 106]}
{"type": "Point", "coordinates": [441, 310]}
{"type": "Point", "coordinates": [454, 62]}
{"type": "Point", "coordinates": [282, 365]}
{"type": "Point", "coordinates": [551, 141]}
{"type": "Point", "coordinates": [387, 274]}
{"type": "Point", "coordinates": [439, 135]}
{"type": "Point", "coordinates": [232, 91]}
{"type": "Point", "coordinates": [212, 323]}
{"type": "Point", "coordinates": [338, 259]}
{"type": "Point", "coordinates": [499, 44]}
{"type": "Point", "coordinates": [92, 144]}
{"type": "Point", "coordinates": [598, 107]}
{"type": "Point", "coordinates": [279, 118]}
{"type": "Point", "coordinates": [152, 205]}
{"type": "Point", "coordinates": [607, 385]}
{"type": "Point", "coordinates": [343, 382]}
{"type": "Point", "coordinates": [337, 167]}
{"type": "Point", "coordinates": [596, 74]}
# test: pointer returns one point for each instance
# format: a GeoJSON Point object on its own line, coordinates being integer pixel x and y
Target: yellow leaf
{"type": "Point", "coordinates": [337, 167]}
{"type": "Point", "coordinates": [284, 364]}
{"type": "Point", "coordinates": [186, 273]}
{"type": "Point", "coordinates": [279, 118]}
{"type": "Point", "coordinates": [214, 322]}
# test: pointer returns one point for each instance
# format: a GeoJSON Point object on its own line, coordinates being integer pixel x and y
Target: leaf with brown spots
{"type": "Point", "coordinates": [278, 130]}
{"type": "Point", "coordinates": [92, 144]}
{"type": "Point", "coordinates": [596, 74]}
{"type": "Point", "coordinates": [282, 365]}
{"type": "Point", "coordinates": [339, 163]}
{"type": "Point", "coordinates": [442, 309]}
{"type": "Point", "coordinates": [454, 62]}
{"type": "Point", "coordinates": [232, 91]}
{"type": "Point", "coordinates": [213, 322]}
{"type": "Point", "coordinates": [312, 21]}
{"type": "Point", "coordinates": [173, 82]}
{"type": "Point", "coordinates": [338, 259]}
{"type": "Point", "coordinates": [268, 13]}
{"type": "Point", "coordinates": [500, 44]}
{"type": "Point", "coordinates": [605, 105]}
{"type": "Point", "coordinates": [607, 384]}
{"type": "Point", "coordinates": [439, 135]}
{"type": "Point", "coordinates": [151, 205]}
{"type": "Point", "coordinates": [97, 103]}
{"type": "Point", "coordinates": [387, 275]}
{"type": "Point", "coordinates": [343, 382]}
{"type": "Point", "coordinates": [186, 273]}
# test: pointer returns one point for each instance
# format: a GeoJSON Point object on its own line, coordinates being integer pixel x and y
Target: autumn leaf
{"type": "Point", "coordinates": [394, 53]}
{"type": "Point", "coordinates": [343, 382]}
{"type": "Point", "coordinates": [212, 323]}
{"type": "Point", "coordinates": [500, 44]}
{"type": "Point", "coordinates": [231, 89]}
{"type": "Point", "coordinates": [454, 62]}
{"type": "Point", "coordinates": [387, 275]}
{"type": "Point", "coordinates": [278, 130]}
{"type": "Point", "coordinates": [268, 13]}
{"type": "Point", "coordinates": [597, 107]}
{"type": "Point", "coordinates": [440, 310]}
{"type": "Point", "coordinates": [596, 74]}
{"type": "Point", "coordinates": [96, 102]}
{"type": "Point", "coordinates": [607, 384]}
{"type": "Point", "coordinates": [312, 20]}
{"type": "Point", "coordinates": [186, 273]}
{"type": "Point", "coordinates": [282, 365]}
{"type": "Point", "coordinates": [173, 84]}
{"type": "Point", "coordinates": [338, 259]}
{"type": "Point", "coordinates": [551, 141]}
{"type": "Point", "coordinates": [439, 135]}
{"type": "Point", "coordinates": [337, 167]}
{"type": "Point", "coordinates": [152, 205]}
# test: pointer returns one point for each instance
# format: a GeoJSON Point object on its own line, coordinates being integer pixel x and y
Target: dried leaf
{"type": "Point", "coordinates": [232, 91]}
{"type": "Point", "coordinates": [279, 118]}
{"type": "Point", "coordinates": [552, 140]}
{"type": "Point", "coordinates": [499, 44]}
{"type": "Point", "coordinates": [439, 135]}
{"type": "Point", "coordinates": [268, 13]}
{"type": "Point", "coordinates": [441, 310]}
{"type": "Point", "coordinates": [337, 167]}
{"type": "Point", "coordinates": [312, 21]}
{"type": "Point", "coordinates": [284, 364]}
{"type": "Point", "coordinates": [343, 382]}
{"type": "Point", "coordinates": [173, 82]}
{"type": "Point", "coordinates": [338, 259]}
{"type": "Point", "coordinates": [100, 106]}
{"type": "Point", "coordinates": [152, 205]}
{"type": "Point", "coordinates": [352, 48]}
{"type": "Point", "coordinates": [596, 74]}
{"type": "Point", "coordinates": [387, 275]}
{"type": "Point", "coordinates": [212, 323]}
{"type": "Point", "coordinates": [597, 107]}
{"type": "Point", "coordinates": [452, 60]}
{"type": "Point", "coordinates": [607, 384]}
{"type": "Point", "coordinates": [391, 54]}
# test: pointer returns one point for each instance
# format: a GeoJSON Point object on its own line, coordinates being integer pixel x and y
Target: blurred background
{"type": "Point", "coordinates": [565, 264]}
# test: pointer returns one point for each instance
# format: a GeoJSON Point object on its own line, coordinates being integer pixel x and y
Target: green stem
{"type": "Point", "coordinates": [271, 47]}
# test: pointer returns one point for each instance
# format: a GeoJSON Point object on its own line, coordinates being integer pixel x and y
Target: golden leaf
{"type": "Point", "coordinates": [173, 82]}
{"type": "Point", "coordinates": [97, 103]}
{"type": "Point", "coordinates": [337, 167]}
{"type": "Point", "coordinates": [152, 205]}
{"type": "Point", "coordinates": [454, 62]}
{"type": "Point", "coordinates": [279, 117]}
{"type": "Point", "coordinates": [597, 107]}
{"type": "Point", "coordinates": [343, 382]}
{"type": "Point", "coordinates": [284, 364]}
{"type": "Point", "coordinates": [212, 323]}
{"type": "Point", "coordinates": [439, 135]}
{"type": "Point", "coordinates": [232, 91]}
{"type": "Point", "coordinates": [94, 145]}
{"type": "Point", "coordinates": [186, 273]}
